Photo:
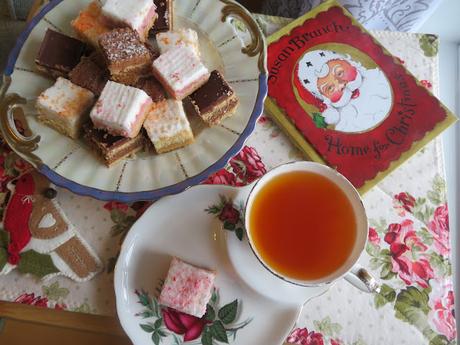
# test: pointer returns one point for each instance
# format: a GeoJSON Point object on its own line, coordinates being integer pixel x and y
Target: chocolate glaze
{"type": "Point", "coordinates": [104, 140]}
{"type": "Point", "coordinates": [153, 88]}
{"type": "Point", "coordinates": [59, 53]}
{"type": "Point", "coordinates": [211, 94]}
{"type": "Point", "coordinates": [112, 148]}
{"type": "Point", "coordinates": [165, 17]}
{"type": "Point", "coordinates": [89, 75]}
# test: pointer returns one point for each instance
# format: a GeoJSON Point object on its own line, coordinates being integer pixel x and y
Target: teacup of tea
{"type": "Point", "coordinates": [307, 225]}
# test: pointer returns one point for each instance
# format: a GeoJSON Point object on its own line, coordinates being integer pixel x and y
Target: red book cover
{"type": "Point", "coordinates": [345, 100]}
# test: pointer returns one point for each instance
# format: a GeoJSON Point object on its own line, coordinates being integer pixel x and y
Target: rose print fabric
{"type": "Point", "coordinates": [408, 250]}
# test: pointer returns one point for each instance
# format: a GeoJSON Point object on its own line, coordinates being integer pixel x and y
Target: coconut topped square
{"type": "Point", "coordinates": [181, 37]}
{"type": "Point", "coordinates": [65, 107]}
{"type": "Point", "coordinates": [187, 288]}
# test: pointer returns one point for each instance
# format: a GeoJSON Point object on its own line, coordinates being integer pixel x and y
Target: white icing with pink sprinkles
{"type": "Point", "coordinates": [121, 109]}
{"type": "Point", "coordinates": [179, 68]}
{"type": "Point", "coordinates": [187, 288]}
{"type": "Point", "coordinates": [134, 13]}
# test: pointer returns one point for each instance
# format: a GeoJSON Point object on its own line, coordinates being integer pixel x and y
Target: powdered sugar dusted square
{"type": "Point", "coordinates": [187, 288]}
{"type": "Point", "coordinates": [121, 109]}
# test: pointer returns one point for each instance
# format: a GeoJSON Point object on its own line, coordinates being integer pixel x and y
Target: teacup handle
{"type": "Point", "coordinates": [363, 280]}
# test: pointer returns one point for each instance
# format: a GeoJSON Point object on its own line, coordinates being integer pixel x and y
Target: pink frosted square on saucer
{"type": "Point", "coordinates": [139, 15]}
{"type": "Point", "coordinates": [180, 71]}
{"type": "Point", "coordinates": [187, 288]}
{"type": "Point", "coordinates": [121, 109]}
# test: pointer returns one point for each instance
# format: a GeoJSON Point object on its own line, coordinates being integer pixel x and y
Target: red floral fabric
{"type": "Point", "coordinates": [244, 168]}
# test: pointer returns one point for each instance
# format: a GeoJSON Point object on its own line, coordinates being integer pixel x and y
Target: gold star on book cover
{"type": "Point", "coordinates": [345, 100]}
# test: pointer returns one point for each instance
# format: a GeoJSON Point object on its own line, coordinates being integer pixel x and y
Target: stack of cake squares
{"type": "Point", "coordinates": [129, 81]}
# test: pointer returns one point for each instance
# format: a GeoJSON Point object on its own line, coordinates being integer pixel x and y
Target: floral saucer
{"type": "Point", "coordinates": [248, 304]}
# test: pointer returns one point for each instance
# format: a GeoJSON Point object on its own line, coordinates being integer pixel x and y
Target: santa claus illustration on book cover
{"type": "Point", "coordinates": [355, 98]}
{"type": "Point", "coordinates": [344, 100]}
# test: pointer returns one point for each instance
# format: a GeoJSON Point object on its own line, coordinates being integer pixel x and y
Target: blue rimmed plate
{"type": "Point", "coordinates": [71, 164]}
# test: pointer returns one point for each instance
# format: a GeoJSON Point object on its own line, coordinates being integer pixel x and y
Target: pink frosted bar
{"type": "Point", "coordinates": [187, 288]}
{"type": "Point", "coordinates": [180, 71]}
{"type": "Point", "coordinates": [139, 15]}
{"type": "Point", "coordinates": [121, 110]}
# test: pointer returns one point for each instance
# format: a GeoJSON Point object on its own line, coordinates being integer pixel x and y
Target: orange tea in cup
{"type": "Point", "coordinates": [302, 225]}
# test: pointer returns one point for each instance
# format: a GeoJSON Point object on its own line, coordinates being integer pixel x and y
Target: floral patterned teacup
{"type": "Point", "coordinates": [349, 270]}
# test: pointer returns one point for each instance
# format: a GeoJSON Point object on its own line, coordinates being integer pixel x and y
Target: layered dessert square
{"type": "Point", "coordinates": [153, 88]}
{"type": "Point", "coordinates": [180, 71]}
{"type": "Point", "coordinates": [187, 288]}
{"type": "Point", "coordinates": [167, 126]}
{"type": "Point", "coordinates": [139, 15]}
{"type": "Point", "coordinates": [111, 149]}
{"type": "Point", "coordinates": [182, 37]}
{"type": "Point", "coordinates": [65, 107]}
{"type": "Point", "coordinates": [164, 20]}
{"type": "Point", "coordinates": [89, 75]}
{"type": "Point", "coordinates": [127, 58]}
{"type": "Point", "coordinates": [59, 54]}
{"type": "Point", "coordinates": [89, 24]}
{"type": "Point", "coordinates": [214, 101]}
{"type": "Point", "coordinates": [121, 110]}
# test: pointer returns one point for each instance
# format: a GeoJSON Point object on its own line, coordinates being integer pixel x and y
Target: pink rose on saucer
{"type": "Point", "coordinates": [190, 326]}
{"type": "Point", "coordinates": [441, 303]}
{"type": "Point", "coordinates": [408, 254]}
{"type": "Point", "coordinates": [373, 236]}
{"type": "Point", "coordinates": [223, 176]}
{"type": "Point", "coordinates": [301, 336]}
{"type": "Point", "coordinates": [247, 165]}
{"type": "Point", "coordinates": [229, 214]}
{"type": "Point", "coordinates": [439, 228]}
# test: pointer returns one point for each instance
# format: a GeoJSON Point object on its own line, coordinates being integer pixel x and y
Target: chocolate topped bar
{"type": "Point", "coordinates": [214, 101]}
{"type": "Point", "coordinates": [59, 54]}
{"type": "Point", "coordinates": [164, 21]}
{"type": "Point", "coordinates": [110, 148]}
{"type": "Point", "coordinates": [124, 52]}
{"type": "Point", "coordinates": [153, 88]}
{"type": "Point", "coordinates": [89, 75]}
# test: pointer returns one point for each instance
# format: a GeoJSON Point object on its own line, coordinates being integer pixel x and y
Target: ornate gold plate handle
{"type": "Point", "coordinates": [10, 104]}
{"type": "Point", "coordinates": [258, 44]}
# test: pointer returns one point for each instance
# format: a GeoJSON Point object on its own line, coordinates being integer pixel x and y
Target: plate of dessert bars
{"type": "Point", "coordinates": [133, 100]}
{"type": "Point", "coordinates": [197, 283]}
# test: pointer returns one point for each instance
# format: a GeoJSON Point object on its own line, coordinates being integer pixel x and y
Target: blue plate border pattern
{"type": "Point", "coordinates": [80, 189]}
